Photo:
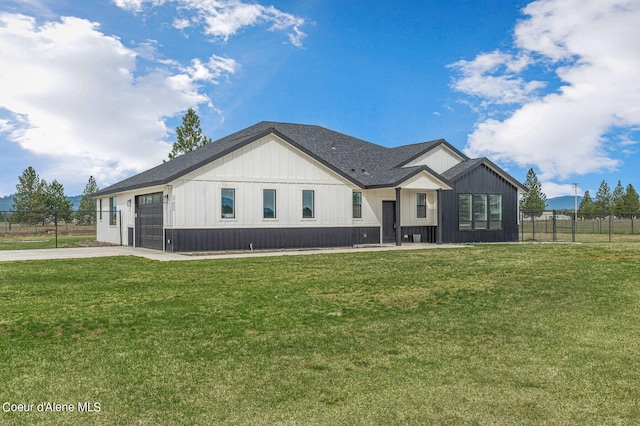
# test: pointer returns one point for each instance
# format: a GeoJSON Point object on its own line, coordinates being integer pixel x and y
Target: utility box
{"type": "Point", "coordinates": [417, 238]}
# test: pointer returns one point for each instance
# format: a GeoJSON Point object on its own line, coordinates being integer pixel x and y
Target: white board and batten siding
{"type": "Point", "coordinates": [268, 163]}
{"type": "Point", "coordinates": [439, 159]}
{"type": "Point", "coordinates": [125, 205]}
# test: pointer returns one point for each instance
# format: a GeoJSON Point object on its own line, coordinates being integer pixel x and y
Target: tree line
{"type": "Point", "coordinates": [37, 201]}
{"type": "Point", "coordinates": [619, 202]}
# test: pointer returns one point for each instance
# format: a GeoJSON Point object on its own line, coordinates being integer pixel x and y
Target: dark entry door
{"type": "Point", "coordinates": [388, 221]}
{"type": "Point", "coordinates": [149, 221]}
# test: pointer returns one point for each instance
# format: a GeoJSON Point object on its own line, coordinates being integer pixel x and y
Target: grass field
{"type": "Point", "coordinates": [20, 237]}
{"type": "Point", "coordinates": [493, 334]}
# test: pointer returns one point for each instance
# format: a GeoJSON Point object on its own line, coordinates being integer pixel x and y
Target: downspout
{"type": "Point", "coordinates": [439, 228]}
{"type": "Point", "coordinates": [398, 219]}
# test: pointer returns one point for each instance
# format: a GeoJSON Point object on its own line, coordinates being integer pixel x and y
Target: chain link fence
{"type": "Point", "coordinates": [597, 227]}
{"type": "Point", "coordinates": [49, 229]}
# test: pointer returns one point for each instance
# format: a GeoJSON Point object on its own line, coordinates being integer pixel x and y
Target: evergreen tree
{"type": "Point", "coordinates": [631, 200]}
{"type": "Point", "coordinates": [87, 209]}
{"type": "Point", "coordinates": [617, 199]}
{"type": "Point", "coordinates": [189, 135]}
{"type": "Point", "coordinates": [603, 198]}
{"type": "Point", "coordinates": [56, 200]}
{"type": "Point", "coordinates": [586, 205]}
{"type": "Point", "coordinates": [29, 200]}
{"type": "Point", "coordinates": [535, 199]}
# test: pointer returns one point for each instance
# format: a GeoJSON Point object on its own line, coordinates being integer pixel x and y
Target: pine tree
{"type": "Point", "coordinates": [617, 199]}
{"type": "Point", "coordinates": [603, 198]}
{"type": "Point", "coordinates": [56, 200]}
{"type": "Point", "coordinates": [87, 209]}
{"type": "Point", "coordinates": [535, 199]}
{"type": "Point", "coordinates": [189, 135]}
{"type": "Point", "coordinates": [631, 200]}
{"type": "Point", "coordinates": [29, 200]}
{"type": "Point", "coordinates": [586, 205]}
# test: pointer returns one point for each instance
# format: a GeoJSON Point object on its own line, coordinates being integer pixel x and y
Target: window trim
{"type": "Point", "coordinates": [232, 215]}
{"type": "Point", "coordinates": [421, 209]}
{"type": "Point", "coordinates": [113, 211]}
{"type": "Point", "coordinates": [313, 204]}
{"type": "Point", "coordinates": [275, 204]}
{"type": "Point", "coordinates": [356, 207]}
{"type": "Point", "coordinates": [479, 214]}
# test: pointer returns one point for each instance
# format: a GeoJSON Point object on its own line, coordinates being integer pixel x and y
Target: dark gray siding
{"type": "Point", "coordinates": [480, 180]}
{"type": "Point", "coordinates": [428, 234]}
{"type": "Point", "coordinates": [182, 240]}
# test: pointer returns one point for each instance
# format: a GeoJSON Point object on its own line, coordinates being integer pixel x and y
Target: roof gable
{"type": "Point", "coordinates": [465, 167]}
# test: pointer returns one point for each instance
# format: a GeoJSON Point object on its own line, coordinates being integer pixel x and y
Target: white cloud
{"type": "Point", "coordinates": [592, 48]}
{"type": "Point", "coordinates": [225, 18]}
{"type": "Point", "coordinates": [494, 77]}
{"type": "Point", "coordinates": [75, 95]}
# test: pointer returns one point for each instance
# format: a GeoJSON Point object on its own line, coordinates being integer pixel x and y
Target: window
{"type": "Point", "coordinates": [421, 204]}
{"type": "Point", "coordinates": [357, 205]}
{"type": "Point", "coordinates": [465, 211]}
{"type": "Point", "coordinates": [307, 204]}
{"type": "Point", "coordinates": [113, 217]}
{"type": "Point", "coordinates": [228, 203]}
{"type": "Point", "coordinates": [479, 211]}
{"type": "Point", "coordinates": [269, 203]}
{"type": "Point", "coordinates": [495, 211]}
{"type": "Point", "coordinates": [100, 208]}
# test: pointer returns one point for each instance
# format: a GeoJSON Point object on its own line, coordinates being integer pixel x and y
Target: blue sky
{"type": "Point", "coordinates": [97, 87]}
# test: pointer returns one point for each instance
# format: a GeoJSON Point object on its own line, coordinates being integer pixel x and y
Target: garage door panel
{"type": "Point", "coordinates": [149, 221]}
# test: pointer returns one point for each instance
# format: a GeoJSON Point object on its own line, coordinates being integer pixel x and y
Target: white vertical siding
{"type": "Point", "coordinates": [268, 163]}
{"type": "Point", "coordinates": [439, 159]}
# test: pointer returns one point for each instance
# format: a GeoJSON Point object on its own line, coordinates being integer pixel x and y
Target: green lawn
{"type": "Point", "coordinates": [24, 242]}
{"type": "Point", "coordinates": [493, 334]}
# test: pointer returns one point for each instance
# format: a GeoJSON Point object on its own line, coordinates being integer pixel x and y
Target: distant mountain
{"type": "Point", "coordinates": [6, 202]}
{"type": "Point", "coordinates": [563, 203]}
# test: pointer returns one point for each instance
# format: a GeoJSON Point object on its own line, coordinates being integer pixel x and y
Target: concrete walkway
{"type": "Point", "coordinates": [87, 252]}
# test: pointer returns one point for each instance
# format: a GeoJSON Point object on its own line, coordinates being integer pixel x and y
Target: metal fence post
{"type": "Point", "coordinates": [554, 225]}
{"type": "Point", "coordinates": [610, 225]}
{"type": "Point", "coordinates": [574, 225]}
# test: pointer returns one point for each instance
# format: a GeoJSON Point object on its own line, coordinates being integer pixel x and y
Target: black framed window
{"type": "Point", "coordinates": [269, 203]}
{"type": "Point", "coordinates": [421, 205]}
{"type": "Point", "coordinates": [228, 203]}
{"type": "Point", "coordinates": [113, 211]}
{"type": "Point", "coordinates": [357, 205]}
{"type": "Point", "coordinates": [479, 212]}
{"type": "Point", "coordinates": [308, 207]}
{"type": "Point", "coordinates": [495, 211]}
{"type": "Point", "coordinates": [465, 211]}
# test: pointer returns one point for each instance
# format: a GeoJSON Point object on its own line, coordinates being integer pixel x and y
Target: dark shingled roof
{"type": "Point", "coordinates": [365, 164]}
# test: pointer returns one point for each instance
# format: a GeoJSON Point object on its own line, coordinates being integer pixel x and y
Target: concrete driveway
{"type": "Point", "coordinates": [87, 252]}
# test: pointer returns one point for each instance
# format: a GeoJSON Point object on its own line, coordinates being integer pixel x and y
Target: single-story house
{"type": "Point", "coordinates": [279, 185]}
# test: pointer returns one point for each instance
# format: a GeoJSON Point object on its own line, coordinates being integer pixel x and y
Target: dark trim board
{"type": "Point", "coordinates": [185, 240]}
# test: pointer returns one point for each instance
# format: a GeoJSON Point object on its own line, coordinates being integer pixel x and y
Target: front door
{"type": "Point", "coordinates": [388, 221]}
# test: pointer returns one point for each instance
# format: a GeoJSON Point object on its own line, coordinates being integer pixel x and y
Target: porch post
{"type": "Point", "coordinates": [398, 219]}
{"type": "Point", "coordinates": [439, 228]}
